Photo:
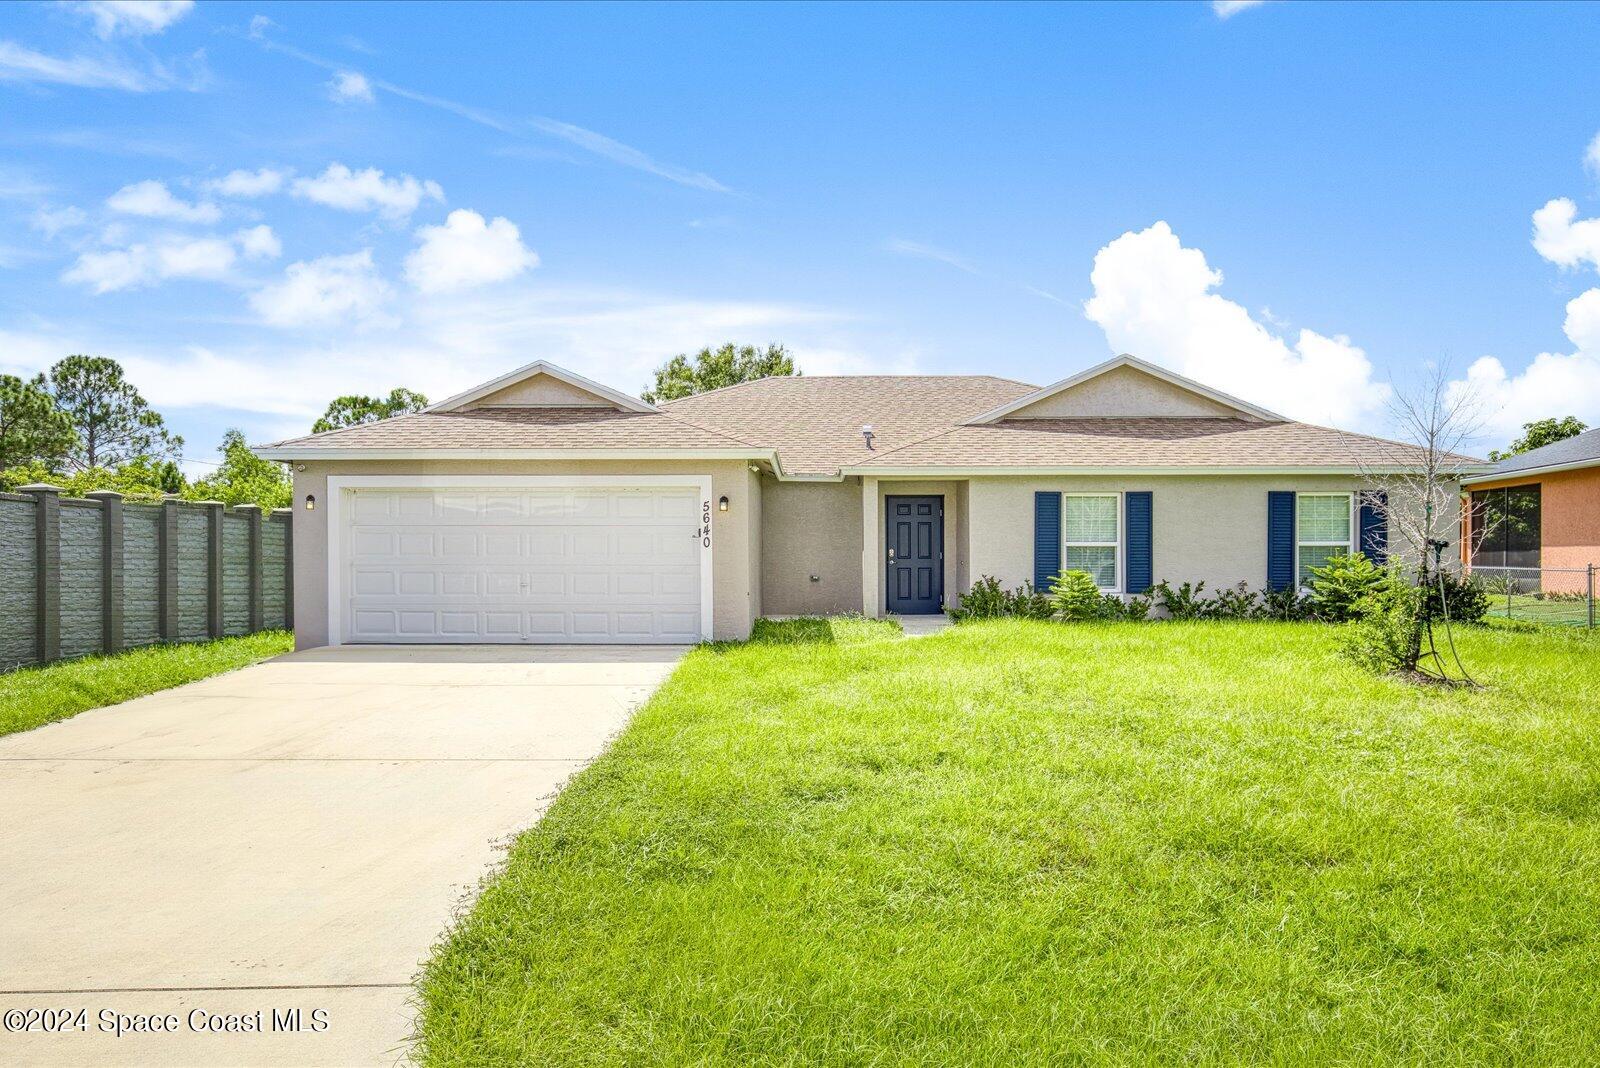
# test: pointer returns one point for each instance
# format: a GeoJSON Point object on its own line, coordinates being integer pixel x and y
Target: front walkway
{"type": "Point", "coordinates": [294, 835]}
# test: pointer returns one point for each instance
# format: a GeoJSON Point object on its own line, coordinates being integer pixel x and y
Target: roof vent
{"type": "Point", "coordinates": [866, 432]}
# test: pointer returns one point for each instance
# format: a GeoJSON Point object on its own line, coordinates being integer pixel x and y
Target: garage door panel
{"type": "Point", "coordinates": [417, 584]}
{"type": "Point", "coordinates": [536, 565]}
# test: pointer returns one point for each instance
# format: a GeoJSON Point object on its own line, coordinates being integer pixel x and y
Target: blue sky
{"type": "Point", "coordinates": [258, 206]}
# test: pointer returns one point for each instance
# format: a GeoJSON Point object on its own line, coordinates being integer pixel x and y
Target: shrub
{"type": "Point", "coordinates": [1285, 605]}
{"type": "Point", "coordinates": [989, 600]}
{"type": "Point", "coordinates": [1135, 609]}
{"type": "Point", "coordinates": [1466, 599]}
{"type": "Point", "coordinates": [1238, 602]}
{"type": "Point", "coordinates": [1186, 602]}
{"type": "Point", "coordinates": [1341, 583]}
{"type": "Point", "coordinates": [1383, 634]}
{"type": "Point", "coordinates": [986, 600]}
{"type": "Point", "coordinates": [1075, 597]}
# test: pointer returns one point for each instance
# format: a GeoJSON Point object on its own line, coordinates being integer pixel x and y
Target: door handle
{"type": "Point", "coordinates": [891, 556]}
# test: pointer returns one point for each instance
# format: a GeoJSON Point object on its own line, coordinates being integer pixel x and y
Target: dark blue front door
{"type": "Point", "coordinates": [915, 540]}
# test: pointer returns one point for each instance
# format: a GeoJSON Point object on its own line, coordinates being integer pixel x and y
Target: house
{"type": "Point", "coordinates": [1535, 517]}
{"type": "Point", "coordinates": [544, 507]}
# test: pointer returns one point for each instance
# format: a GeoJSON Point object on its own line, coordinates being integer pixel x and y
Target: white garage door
{"type": "Point", "coordinates": [514, 565]}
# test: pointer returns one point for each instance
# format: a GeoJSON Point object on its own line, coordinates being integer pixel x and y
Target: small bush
{"type": "Point", "coordinates": [1135, 609]}
{"type": "Point", "coordinates": [1383, 633]}
{"type": "Point", "coordinates": [1341, 583]}
{"type": "Point", "coordinates": [1285, 605]}
{"type": "Point", "coordinates": [989, 600]}
{"type": "Point", "coordinates": [1238, 602]}
{"type": "Point", "coordinates": [1466, 599]}
{"type": "Point", "coordinates": [1186, 602]}
{"type": "Point", "coordinates": [1075, 597]}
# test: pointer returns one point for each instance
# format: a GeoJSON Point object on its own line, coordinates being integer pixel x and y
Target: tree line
{"type": "Point", "coordinates": [83, 426]}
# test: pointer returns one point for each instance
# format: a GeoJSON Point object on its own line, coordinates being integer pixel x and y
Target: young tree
{"type": "Point", "coordinates": [1416, 487]}
{"type": "Point", "coordinates": [354, 409]}
{"type": "Point", "coordinates": [1539, 433]}
{"type": "Point", "coordinates": [715, 368]}
{"type": "Point", "coordinates": [243, 478]}
{"type": "Point", "coordinates": [113, 423]}
{"type": "Point", "coordinates": [31, 429]}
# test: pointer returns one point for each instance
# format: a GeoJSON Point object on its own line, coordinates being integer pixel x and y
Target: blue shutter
{"type": "Point", "coordinates": [1138, 569]}
{"type": "Point", "coordinates": [1046, 538]}
{"type": "Point", "coordinates": [1280, 540]}
{"type": "Point", "coordinates": [1373, 524]}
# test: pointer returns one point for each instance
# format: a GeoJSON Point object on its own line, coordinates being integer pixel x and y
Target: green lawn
{"type": "Point", "coordinates": [31, 697]}
{"type": "Point", "coordinates": [1022, 843]}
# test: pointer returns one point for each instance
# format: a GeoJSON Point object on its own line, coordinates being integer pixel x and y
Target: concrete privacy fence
{"type": "Point", "coordinates": [98, 575]}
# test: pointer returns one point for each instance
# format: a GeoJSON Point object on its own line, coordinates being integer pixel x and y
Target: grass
{"type": "Point", "coordinates": [1021, 843]}
{"type": "Point", "coordinates": [31, 697]}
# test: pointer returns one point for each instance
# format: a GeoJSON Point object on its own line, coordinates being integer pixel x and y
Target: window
{"type": "Point", "coordinates": [1322, 525]}
{"type": "Point", "coordinates": [1089, 536]}
{"type": "Point", "coordinates": [1505, 529]}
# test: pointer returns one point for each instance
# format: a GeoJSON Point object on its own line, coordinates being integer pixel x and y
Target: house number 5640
{"type": "Point", "coordinates": [704, 533]}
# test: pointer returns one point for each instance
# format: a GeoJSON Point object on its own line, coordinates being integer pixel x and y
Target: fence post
{"type": "Point", "coordinates": [110, 568]}
{"type": "Point", "coordinates": [1591, 597]}
{"type": "Point", "coordinates": [46, 570]}
{"type": "Point", "coordinates": [214, 620]}
{"type": "Point", "coordinates": [252, 512]}
{"type": "Point", "coordinates": [167, 570]}
{"type": "Point", "coordinates": [286, 517]}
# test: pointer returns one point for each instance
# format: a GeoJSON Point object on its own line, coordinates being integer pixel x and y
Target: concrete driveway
{"type": "Point", "coordinates": [295, 835]}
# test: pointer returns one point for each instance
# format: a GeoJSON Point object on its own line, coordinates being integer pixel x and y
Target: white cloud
{"type": "Point", "coordinates": [19, 64]}
{"type": "Point", "coordinates": [145, 264]}
{"type": "Point", "coordinates": [1554, 384]}
{"type": "Point", "coordinates": [1591, 157]}
{"type": "Point", "coordinates": [902, 247]}
{"type": "Point", "coordinates": [368, 190]}
{"type": "Point", "coordinates": [323, 291]}
{"type": "Point", "coordinates": [248, 184]}
{"type": "Point", "coordinates": [259, 243]}
{"type": "Point", "coordinates": [350, 87]}
{"type": "Point", "coordinates": [467, 252]}
{"type": "Point", "coordinates": [1226, 9]}
{"type": "Point", "coordinates": [153, 200]}
{"type": "Point", "coordinates": [1564, 239]}
{"type": "Point", "coordinates": [1154, 299]}
{"type": "Point", "coordinates": [51, 221]}
{"type": "Point", "coordinates": [626, 155]}
{"type": "Point", "coordinates": [133, 18]}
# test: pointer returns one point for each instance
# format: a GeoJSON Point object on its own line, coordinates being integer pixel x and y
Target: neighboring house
{"type": "Point", "coordinates": [1539, 510]}
{"type": "Point", "coordinates": [543, 507]}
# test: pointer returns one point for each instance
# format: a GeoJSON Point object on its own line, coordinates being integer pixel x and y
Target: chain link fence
{"type": "Point", "coordinates": [1559, 596]}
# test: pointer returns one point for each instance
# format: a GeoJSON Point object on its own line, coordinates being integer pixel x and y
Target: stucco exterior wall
{"type": "Point", "coordinates": [1569, 522]}
{"type": "Point", "coordinates": [541, 391]}
{"type": "Point", "coordinates": [1205, 528]}
{"type": "Point", "coordinates": [810, 528]}
{"type": "Point", "coordinates": [1125, 392]}
{"type": "Point", "coordinates": [734, 552]}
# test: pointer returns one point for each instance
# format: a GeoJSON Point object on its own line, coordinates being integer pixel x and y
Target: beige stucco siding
{"type": "Point", "coordinates": [1125, 391]}
{"type": "Point", "coordinates": [810, 528]}
{"type": "Point", "coordinates": [1205, 528]}
{"type": "Point", "coordinates": [734, 553]}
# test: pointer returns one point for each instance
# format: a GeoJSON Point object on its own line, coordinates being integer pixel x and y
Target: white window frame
{"type": "Point", "coordinates": [1349, 544]}
{"type": "Point", "coordinates": [1115, 546]}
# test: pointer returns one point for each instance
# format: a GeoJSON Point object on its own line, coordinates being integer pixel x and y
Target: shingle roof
{"type": "Point", "coordinates": [1579, 449]}
{"type": "Point", "coordinates": [1165, 442]}
{"type": "Point", "coordinates": [815, 421]}
{"type": "Point", "coordinates": [815, 424]}
{"type": "Point", "coordinates": [523, 428]}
